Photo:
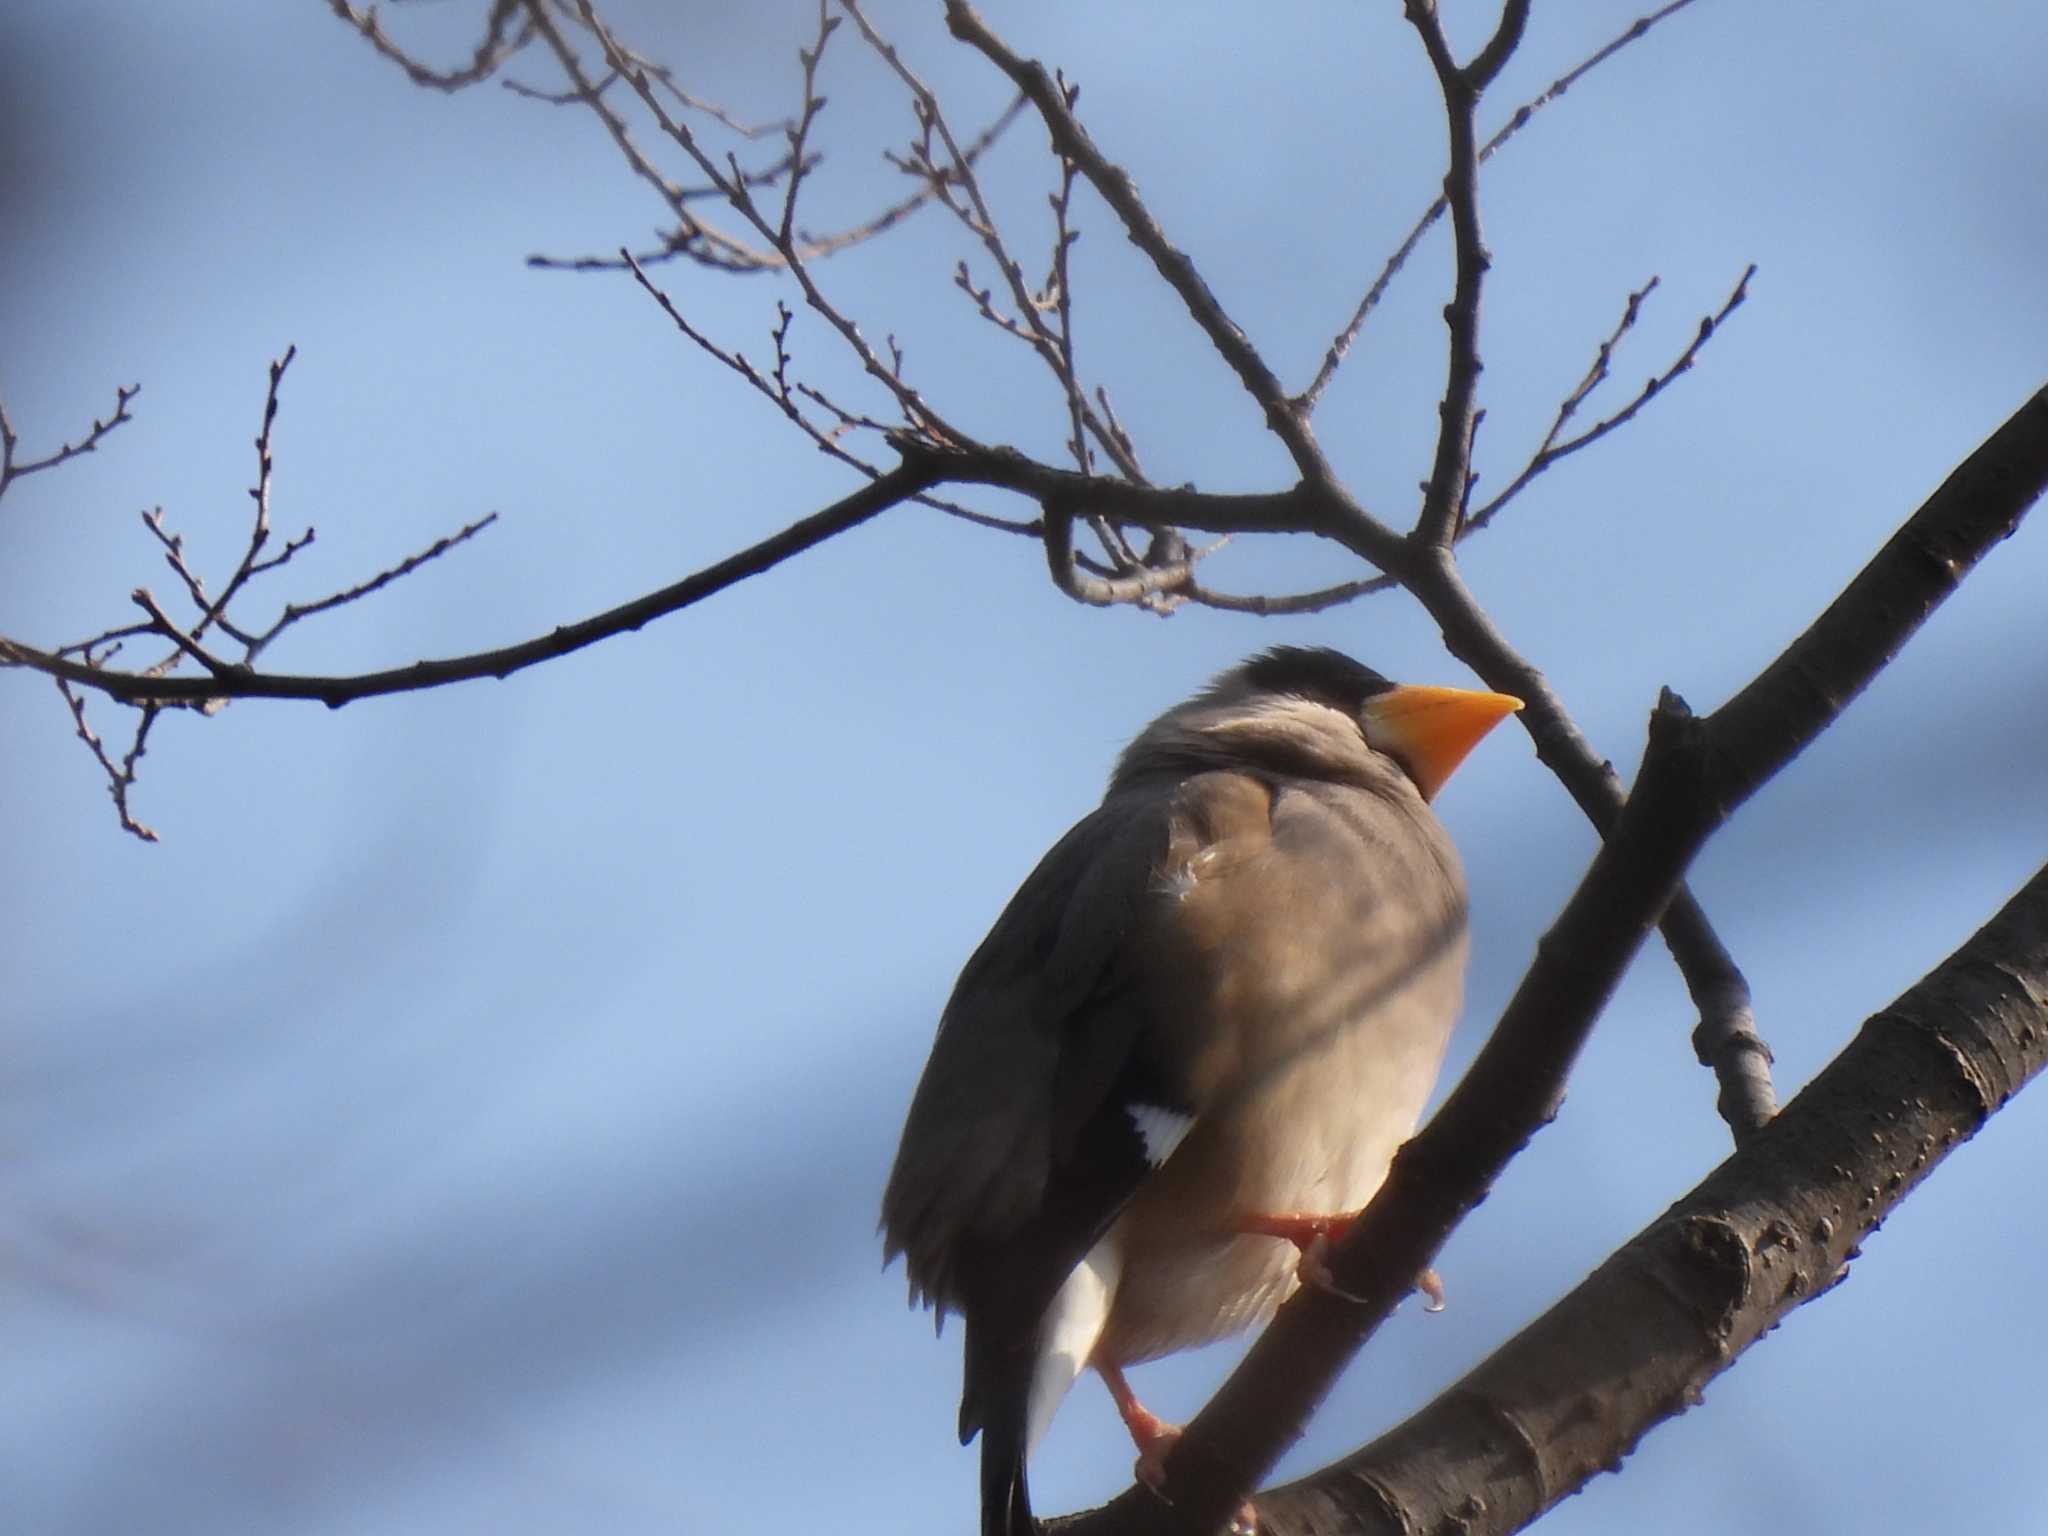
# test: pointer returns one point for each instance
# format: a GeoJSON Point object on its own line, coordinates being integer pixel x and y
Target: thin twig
{"type": "Point", "coordinates": [1030, 324]}
{"type": "Point", "coordinates": [1114, 186]}
{"type": "Point", "coordinates": [783, 393]}
{"type": "Point", "coordinates": [799, 134]}
{"type": "Point", "coordinates": [706, 243]}
{"type": "Point", "coordinates": [121, 777]}
{"type": "Point", "coordinates": [693, 238]}
{"type": "Point", "coordinates": [900, 484]}
{"type": "Point", "coordinates": [499, 44]}
{"type": "Point", "coordinates": [1450, 468]}
{"type": "Point", "coordinates": [917, 413]}
{"type": "Point", "coordinates": [665, 77]}
{"type": "Point", "coordinates": [82, 664]}
{"type": "Point", "coordinates": [13, 468]}
{"type": "Point", "coordinates": [1341, 345]}
{"type": "Point", "coordinates": [1270, 607]}
{"type": "Point", "coordinates": [293, 612]}
{"type": "Point", "coordinates": [259, 495]}
{"type": "Point", "coordinates": [1553, 447]}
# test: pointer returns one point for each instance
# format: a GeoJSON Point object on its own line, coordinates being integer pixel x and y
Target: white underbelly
{"type": "Point", "coordinates": [1188, 1274]}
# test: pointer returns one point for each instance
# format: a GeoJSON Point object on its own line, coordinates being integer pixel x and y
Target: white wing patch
{"type": "Point", "coordinates": [1160, 1128]}
{"type": "Point", "coordinates": [1066, 1337]}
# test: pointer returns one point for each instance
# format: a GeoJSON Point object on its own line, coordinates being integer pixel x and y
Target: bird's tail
{"type": "Point", "coordinates": [996, 1402]}
{"type": "Point", "coordinates": [1005, 1500]}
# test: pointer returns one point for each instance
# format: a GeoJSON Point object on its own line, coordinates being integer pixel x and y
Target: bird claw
{"type": "Point", "coordinates": [1156, 1439]}
{"type": "Point", "coordinates": [1150, 1468]}
{"type": "Point", "coordinates": [1314, 1269]}
{"type": "Point", "coordinates": [1312, 1237]}
{"type": "Point", "coordinates": [1431, 1284]}
{"type": "Point", "coordinates": [1151, 1472]}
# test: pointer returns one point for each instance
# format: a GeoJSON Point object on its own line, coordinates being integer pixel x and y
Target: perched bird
{"type": "Point", "coordinates": [1191, 1043]}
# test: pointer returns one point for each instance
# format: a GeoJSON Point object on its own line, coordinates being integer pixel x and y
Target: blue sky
{"type": "Point", "coordinates": [472, 1115]}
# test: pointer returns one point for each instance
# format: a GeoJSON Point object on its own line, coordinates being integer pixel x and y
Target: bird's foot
{"type": "Point", "coordinates": [1151, 1471]}
{"type": "Point", "coordinates": [1153, 1448]}
{"type": "Point", "coordinates": [1313, 1236]}
{"type": "Point", "coordinates": [1304, 1231]}
{"type": "Point", "coordinates": [1155, 1440]}
{"type": "Point", "coordinates": [1431, 1284]}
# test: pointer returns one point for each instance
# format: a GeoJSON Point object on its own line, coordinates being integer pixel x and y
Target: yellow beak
{"type": "Point", "coordinates": [1429, 730]}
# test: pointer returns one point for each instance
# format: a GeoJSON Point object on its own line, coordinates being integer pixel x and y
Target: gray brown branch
{"type": "Point", "coordinates": [13, 467]}
{"type": "Point", "coordinates": [1695, 773]}
{"type": "Point", "coordinates": [1341, 344]}
{"type": "Point", "coordinates": [242, 682]}
{"type": "Point", "coordinates": [1774, 1227]}
{"type": "Point", "coordinates": [1443, 498]}
{"type": "Point", "coordinates": [1071, 141]}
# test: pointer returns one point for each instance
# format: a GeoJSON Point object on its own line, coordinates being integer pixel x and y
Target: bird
{"type": "Point", "coordinates": [1190, 1046]}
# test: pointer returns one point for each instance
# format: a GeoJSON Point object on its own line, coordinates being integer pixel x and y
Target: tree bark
{"type": "Point", "coordinates": [1770, 1229]}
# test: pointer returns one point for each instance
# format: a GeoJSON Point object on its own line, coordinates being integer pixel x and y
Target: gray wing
{"type": "Point", "coordinates": [1039, 1028]}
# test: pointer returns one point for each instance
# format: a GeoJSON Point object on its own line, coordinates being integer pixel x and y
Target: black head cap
{"type": "Point", "coordinates": [1311, 672]}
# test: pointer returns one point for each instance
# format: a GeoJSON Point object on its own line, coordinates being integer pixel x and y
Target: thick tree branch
{"type": "Point", "coordinates": [1507, 37]}
{"type": "Point", "coordinates": [925, 465]}
{"type": "Point", "coordinates": [1695, 774]}
{"type": "Point", "coordinates": [1771, 1229]}
{"type": "Point", "coordinates": [1726, 1037]}
{"type": "Point", "coordinates": [1146, 580]}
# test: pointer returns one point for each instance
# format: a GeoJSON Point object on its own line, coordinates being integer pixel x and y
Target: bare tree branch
{"type": "Point", "coordinates": [1136, 584]}
{"type": "Point", "coordinates": [1052, 343]}
{"type": "Point", "coordinates": [1288, 603]}
{"type": "Point", "coordinates": [889, 374]}
{"type": "Point", "coordinates": [1695, 773]}
{"type": "Point", "coordinates": [120, 777]}
{"type": "Point", "coordinates": [1726, 1035]}
{"type": "Point", "coordinates": [238, 681]}
{"type": "Point", "coordinates": [1773, 1228]}
{"type": "Point", "coordinates": [499, 44]}
{"type": "Point", "coordinates": [1507, 37]}
{"type": "Point", "coordinates": [1444, 493]}
{"type": "Point", "coordinates": [78, 664]}
{"type": "Point", "coordinates": [693, 238]}
{"type": "Point", "coordinates": [1555, 447]}
{"type": "Point", "coordinates": [1072, 142]}
{"type": "Point", "coordinates": [12, 468]}
{"type": "Point", "coordinates": [787, 394]}
{"type": "Point", "coordinates": [293, 612]}
{"type": "Point", "coordinates": [1341, 345]}
{"type": "Point", "coordinates": [164, 625]}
